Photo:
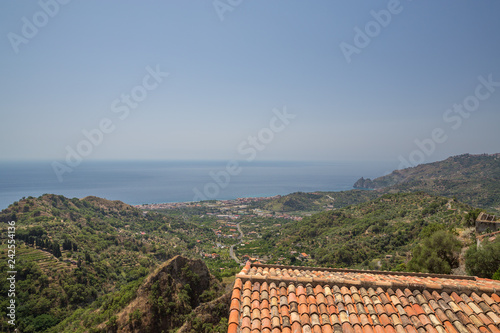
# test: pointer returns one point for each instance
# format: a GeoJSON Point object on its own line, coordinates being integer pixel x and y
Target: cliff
{"type": "Point", "coordinates": [170, 298]}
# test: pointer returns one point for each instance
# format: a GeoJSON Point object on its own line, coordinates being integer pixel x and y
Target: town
{"type": "Point", "coordinates": [238, 225]}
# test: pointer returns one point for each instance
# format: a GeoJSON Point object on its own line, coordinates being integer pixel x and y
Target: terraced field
{"type": "Point", "coordinates": [45, 260]}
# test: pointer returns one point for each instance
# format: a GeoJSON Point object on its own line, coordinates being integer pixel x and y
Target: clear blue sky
{"type": "Point", "coordinates": [226, 77]}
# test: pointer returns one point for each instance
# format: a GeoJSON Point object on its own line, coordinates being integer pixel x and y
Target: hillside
{"type": "Point", "coordinates": [94, 265]}
{"type": "Point", "coordinates": [163, 302]}
{"type": "Point", "coordinates": [377, 234]}
{"type": "Point", "coordinates": [71, 254]}
{"type": "Point", "coordinates": [473, 179]}
{"type": "Point", "coordinates": [317, 201]}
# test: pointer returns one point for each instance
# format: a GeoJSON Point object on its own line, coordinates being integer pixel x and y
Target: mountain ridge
{"type": "Point", "coordinates": [473, 179]}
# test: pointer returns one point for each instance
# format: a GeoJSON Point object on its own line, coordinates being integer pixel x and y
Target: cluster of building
{"type": "Point", "coordinates": [223, 231]}
{"type": "Point", "coordinates": [219, 203]}
{"type": "Point", "coordinates": [210, 255]}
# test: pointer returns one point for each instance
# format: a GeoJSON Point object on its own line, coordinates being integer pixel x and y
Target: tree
{"type": "Point", "coordinates": [43, 322]}
{"type": "Point", "coordinates": [135, 317]}
{"type": "Point", "coordinates": [67, 245]}
{"type": "Point", "coordinates": [483, 261]}
{"type": "Point", "coordinates": [56, 250]}
{"type": "Point", "coordinates": [471, 217]}
{"type": "Point", "coordinates": [437, 253]}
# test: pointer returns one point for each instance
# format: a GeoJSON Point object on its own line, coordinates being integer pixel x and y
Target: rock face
{"type": "Point", "coordinates": [364, 183]}
{"type": "Point", "coordinates": [166, 297]}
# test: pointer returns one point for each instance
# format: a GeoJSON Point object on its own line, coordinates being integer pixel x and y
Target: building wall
{"type": "Point", "coordinates": [483, 226]}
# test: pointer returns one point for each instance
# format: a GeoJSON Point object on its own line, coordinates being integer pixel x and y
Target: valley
{"type": "Point", "coordinates": [83, 263]}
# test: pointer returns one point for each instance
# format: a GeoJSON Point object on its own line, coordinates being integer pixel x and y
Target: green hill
{"type": "Point", "coordinates": [473, 179]}
{"type": "Point", "coordinates": [317, 201]}
{"type": "Point", "coordinates": [83, 263]}
{"type": "Point", "coordinates": [377, 234]}
{"type": "Point", "coordinates": [71, 254]}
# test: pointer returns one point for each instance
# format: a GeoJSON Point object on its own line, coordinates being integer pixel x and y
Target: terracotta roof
{"type": "Point", "coordinates": [287, 299]}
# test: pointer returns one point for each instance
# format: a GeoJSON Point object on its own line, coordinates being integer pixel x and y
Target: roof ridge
{"type": "Point", "coordinates": [367, 279]}
{"type": "Point", "coordinates": [349, 270]}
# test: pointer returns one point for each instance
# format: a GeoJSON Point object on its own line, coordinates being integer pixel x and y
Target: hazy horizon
{"type": "Point", "coordinates": [409, 82]}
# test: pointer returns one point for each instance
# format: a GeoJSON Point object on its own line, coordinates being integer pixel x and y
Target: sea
{"type": "Point", "coordinates": [145, 182]}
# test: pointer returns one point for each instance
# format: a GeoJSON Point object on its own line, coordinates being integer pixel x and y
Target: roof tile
{"type": "Point", "coordinates": [245, 330]}
{"type": "Point", "coordinates": [493, 317]}
{"type": "Point", "coordinates": [451, 315]}
{"type": "Point", "coordinates": [233, 328]}
{"type": "Point", "coordinates": [347, 328]}
{"type": "Point", "coordinates": [485, 319]}
{"type": "Point", "coordinates": [272, 299]}
{"type": "Point", "coordinates": [496, 298]}
{"type": "Point", "coordinates": [353, 319]}
{"type": "Point", "coordinates": [390, 329]}
{"type": "Point", "coordinates": [358, 329]}
{"type": "Point", "coordinates": [416, 322]}
{"type": "Point", "coordinates": [495, 308]}
{"type": "Point", "coordinates": [475, 320]}
{"type": "Point", "coordinates": [434, 320]}
{"type": "Point", "coordinates": [474, 307]}
{"type": "Point", "coordinates": [463, 318]}
{"type": "Point", "coordinates": [316, 329]}
{"type": "Point", "coordinates": [468, 311]}
{"type": "Point", "coordinates": [461, 328]}
{"type": "Point", "coordinates": [405, 320]}
{"type": "Point", "coordinates": [430, 329]}
{"type": "Point", "coordinates": [472, 328]}
{"type": "Point", "coordinates": [326, 329]}
{"type": "Point", "coordinates": [493, 328]}
{"type": "Point", "coordinates": [266, 323]}
{"type": "Point", "coordinates": [296, 327]}
{"type": "Point", "coordinates": [440, 329]}
{"type": "Point", "coordinates": [315, 319]}
{"type": "Point", "coordinates": [450, 328]}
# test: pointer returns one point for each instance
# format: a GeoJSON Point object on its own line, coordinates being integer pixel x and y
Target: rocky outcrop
{"type": "Point", "coordinates": [364, 183]}
{"type": "Point", "coordinates": [211, 313]}
{"type": "Point", "coordinates": [167, 298]}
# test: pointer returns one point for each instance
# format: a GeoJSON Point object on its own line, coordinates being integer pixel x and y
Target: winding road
{"type": "Point", "coordinates": [231, 249]}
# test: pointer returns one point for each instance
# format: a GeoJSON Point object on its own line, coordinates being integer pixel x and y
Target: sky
{"type": "Point", "coordinates": [404, 81]}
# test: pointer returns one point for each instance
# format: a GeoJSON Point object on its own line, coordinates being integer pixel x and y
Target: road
{"type": "Point", "coordinates": [231, 249]}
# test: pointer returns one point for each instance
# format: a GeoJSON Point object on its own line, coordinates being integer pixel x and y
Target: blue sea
{"type": "Point", "coordinates": [142, 182]}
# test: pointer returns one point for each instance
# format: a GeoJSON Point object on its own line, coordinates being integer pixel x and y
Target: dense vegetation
{"type": "Point", "coordinates": [437, 253]}
{"type": "Point", "coordinates": [374, 235]}
{"type": "Point", "coordinates": [317, 201]}
{"type": "Point", "coordinates": [72, 252]}
{"type": "Point", "coordinates": [473, 179]}
{"type": "Point", "coordinates": [484, 261]}
{"type": "Point", "coordinates": [82, 263]}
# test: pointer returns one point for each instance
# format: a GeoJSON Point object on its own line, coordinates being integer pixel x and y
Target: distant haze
{"type": "Point", "coordinates": [167, 80]}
